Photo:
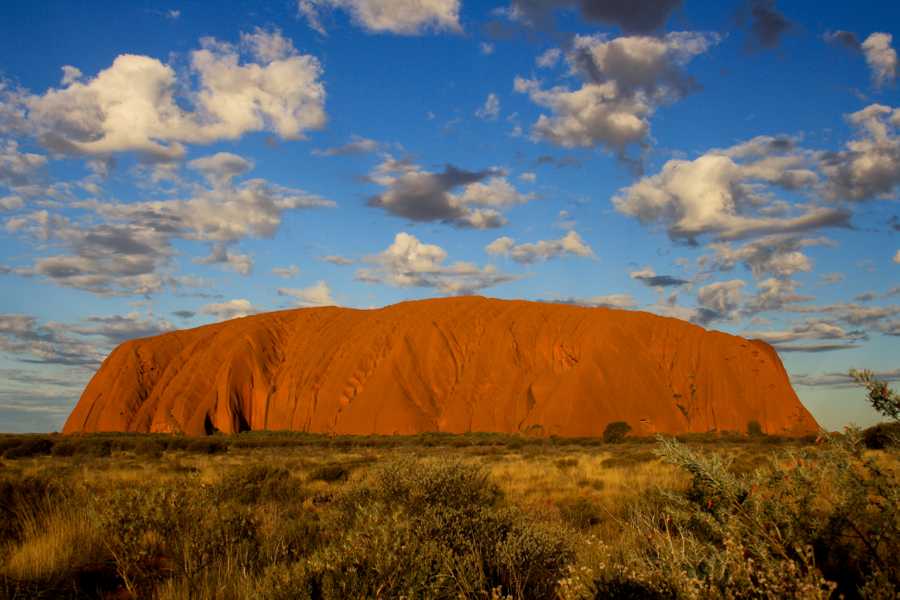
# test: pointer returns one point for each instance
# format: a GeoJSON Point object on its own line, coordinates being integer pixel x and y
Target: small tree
{"type": "Point", "coordinates": [754, 429]}
{"type": "Point", "coordinates": [615, 432]}
{"type": "Point", "coordinates": [882, 398]}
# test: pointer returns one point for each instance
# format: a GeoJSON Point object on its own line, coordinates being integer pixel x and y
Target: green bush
{"type": "Point", "coordinates": [258, 483]}
{"type": "Point", "coordinates": [615, 432]}
{"type": "Point", "coordinates": [881, 436]}
{"type": "Point", "coordinates": [754, 429]}
{"type": "Point", "coordinates": [29, 448]}
{"type": "Point", "coordinates": [149, 448]}
{"type": "Point", "coordinates": [206, 446]}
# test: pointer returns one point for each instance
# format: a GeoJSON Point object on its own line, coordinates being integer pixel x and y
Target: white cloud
{"type": "Point", "coordinates": [286, 272]}
{"type": "Point", "coordinates": [123, 248]}
{"type": "Point", "coordinates": [11, 203]}
{"type": "Point", "coordinates": [356, 145]}
{"type": "Point", "coordinates": [621, 301]}
{"type": "Point", "coordinates": [624, 81]}
{"type": "Point", "coordinates": [486, 48]}
{"type": "Point", "coordinates": [548, 58]}
{"type": "Point", "coordinates": [16, 167]}
{"type": "Point", "coordinates": [775, 294]}
{"type": "Point", "coordinates": [229, 310]}
{"type": "Point", "coordinates": [729, 193]}
{"type": "Point", "coordinates": [882, 59]}
{"type": "Point", "coordinates": [571, 243]}
{"type": "Point", "coordinates": [408, 262]}
{"type": "Point", "coordinates": [491, 108]}
{"type": "Point", "coordinates": [132, 105]}
{"type": "Point", "coordinates": [869, 166]}
{"type": "Point", "coordinates": [528, 176]}
{"type": "Point", "coordinates": [404, 17]}
{"type": "Point", "coordinates": [897, 257]}
{"type": "Point", "coordinates": [777, 255]}
{"type": "Point", "coordinates": [221, 254]}
{"type": "Point", "coordinates": [318, 294]}
{"type": "Point", "coordinates": [720, 300]}
{"type": "Point", "coordinates": [419, 195]}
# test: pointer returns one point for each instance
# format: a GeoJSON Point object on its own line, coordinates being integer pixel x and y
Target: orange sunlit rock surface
{"type": "Point", "coordinates": [453, 365]}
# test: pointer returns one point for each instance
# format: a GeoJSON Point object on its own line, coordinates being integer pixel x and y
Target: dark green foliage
{"type": "Point", "coordinates": [206, 446]}
{"type": "Point", "coordinates": [258, 483]}
{"type": "Point", "coordinates": [28, 448]}
{"type": "Point", "coordinates": [754, 429]}
{"type": "Point", "coordinates": [615, 432]}
{"type": "Point", "coordinates": [882, 435]}
{"type": "Point", "coordinates": [149, 448]}
{"type": "Point", "coordinates": [879, 394]}
{"type": "Point", "coordinates": [421, 529]}
{"type": "Point", "coordinates": [21, 493]}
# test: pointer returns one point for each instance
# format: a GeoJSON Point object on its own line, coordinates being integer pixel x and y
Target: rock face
{"type": "Point", "coordinates": [453, 365]}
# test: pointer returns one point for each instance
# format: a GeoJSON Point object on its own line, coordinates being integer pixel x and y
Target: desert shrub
{"type": "Point", "coordinates": [19, 494]}
{"type": "Point", "coordinates": [811, 522]}
{"type": "Point", "coordinates": [329, 473]}
{"type": "Point", "coordinates": [155, 532]}
{"type": "Point", "coordinates": [258, 483]}
{"type": "Point", "coordinates": [89, 447]}
{"type": "Point", "coordinates": [29, 448]}
{"type": "Point", "coordinates": [580, 513]}
{"type": "Point", "coordinates": [9, 441]}
{"type": "Point", "coordinates": [881, 436]}
{"type": "Point", "coordinates": [567, 463]}
{"type": "Point", "coordinates": [205, 446]}
{"type": "Point", "coordinates": [416, 485]}
{"type": "Point", "coordinates": [149, 448]}
{"type": "Point", "coordinates": [615, 432]}
{"type": "Point", "coordinates": [531, 560]}
{"type": "Point", "coordinates": [627, 460]}
{"type": "Point", "coordinates": [381, 557]}
{"type": "Point", "coordinates": [754, 429]}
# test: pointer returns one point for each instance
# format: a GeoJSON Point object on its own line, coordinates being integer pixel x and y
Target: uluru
{"type": "Point", "coordinates": [466, 364]}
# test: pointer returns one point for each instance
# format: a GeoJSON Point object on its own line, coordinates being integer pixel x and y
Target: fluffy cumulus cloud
{"type": "Point", "coordinates": [403, 17]}
{"type": "Point", "coordinates": [408, 262]}
{"type": "Point", "coordinates": [624, 80]}
{"type": "Point", "coordinates": [122, 248]}
{"type": "Point", "coordinates": [772, 255]}
{"type": "Point", "coordinates": [413, 193]}
{"type": "Point", "coordinates": [774, 294]}
{"type": "Point", "coordinates": [18, 168]}
{"type": "Point", "coordinates": [869, 166]}
{"type": "Point", "coordinates": [231, 309]}
{"type": "Point", "coordinates": [318, 294]}
{"type": "Point", "coordinates": [730, 193]}
{"type": "Point", "coordinates": [881, 58]}
{"type": "Point", "coordinates": [542, 250]}
{"type": "Point", "coordinates": [24, 338]}
{"type": "Point", "coordinates": [720, 300]}
{"type": "Point", "coordinates": [139, 103]}
{"type": "Point", "coordinates": [628, 15]}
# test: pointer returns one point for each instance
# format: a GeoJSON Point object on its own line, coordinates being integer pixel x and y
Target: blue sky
{"type": "Point", "coordinates": [169, 165]}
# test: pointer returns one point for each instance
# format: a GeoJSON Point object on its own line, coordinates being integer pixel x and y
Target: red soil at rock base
{"type": "Point", "coordinates": [453, 365]}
